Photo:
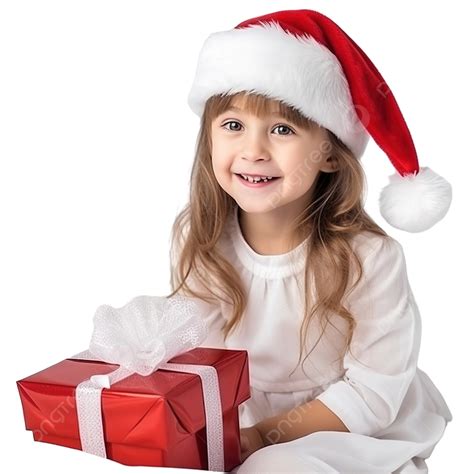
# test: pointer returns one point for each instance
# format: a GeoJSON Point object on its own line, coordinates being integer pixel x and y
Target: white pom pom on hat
{"type": "Point", "coordinates": [415, 203]}
{"type": "Point", "coordinates": [304, 59]}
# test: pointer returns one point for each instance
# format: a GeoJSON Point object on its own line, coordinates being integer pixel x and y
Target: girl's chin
{"type": "Point", "coordinates": [252, 206]}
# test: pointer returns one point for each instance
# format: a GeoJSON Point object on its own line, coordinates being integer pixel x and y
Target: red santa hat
{"type": "Point", "coordinates": [304, 59]}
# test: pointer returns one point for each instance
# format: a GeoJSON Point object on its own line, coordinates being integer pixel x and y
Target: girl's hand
{"type": "Point", "coordinates": [250, 441]}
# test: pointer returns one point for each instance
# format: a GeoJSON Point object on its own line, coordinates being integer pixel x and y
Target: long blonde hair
{"type": "Point", "coordinates": [334, 217]}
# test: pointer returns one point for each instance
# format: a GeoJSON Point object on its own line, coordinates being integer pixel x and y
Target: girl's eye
{"type": "Point", "coordinates": [231, 122]}
{"type": "Point", "coordinates": [278, 126]}
{"type": "Point", "coordinates": [285, 127]}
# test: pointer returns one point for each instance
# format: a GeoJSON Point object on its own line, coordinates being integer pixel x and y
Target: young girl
{"type": "Point", "coordinates": [276, 246]}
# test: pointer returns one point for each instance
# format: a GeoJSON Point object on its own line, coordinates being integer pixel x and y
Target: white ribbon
{"type": "Point", "coordinates": [141, 337]}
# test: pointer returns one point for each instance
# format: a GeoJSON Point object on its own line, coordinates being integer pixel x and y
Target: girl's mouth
{"type": "Point", "coordinates": [259, 184]}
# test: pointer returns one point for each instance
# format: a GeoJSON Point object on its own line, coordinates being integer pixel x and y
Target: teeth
{"type": "Point", "coordinates": [251, 179]}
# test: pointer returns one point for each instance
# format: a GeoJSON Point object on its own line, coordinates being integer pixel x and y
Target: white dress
{"type": "Point", "coordinates": [394, 412]}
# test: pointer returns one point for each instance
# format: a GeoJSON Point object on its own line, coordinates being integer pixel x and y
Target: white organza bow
{"type": "Point", "coordinates": [147, 331]}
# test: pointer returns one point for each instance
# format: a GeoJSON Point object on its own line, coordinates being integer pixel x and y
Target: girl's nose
{"type": "Point", "coordinates": [255, 148]}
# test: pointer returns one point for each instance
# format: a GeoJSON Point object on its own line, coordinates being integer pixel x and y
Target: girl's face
{"type": "Point", "coordinates": [244, 144]}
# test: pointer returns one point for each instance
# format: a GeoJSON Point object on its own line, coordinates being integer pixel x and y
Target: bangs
{"type": "Point", "coordinates": [256, 104]}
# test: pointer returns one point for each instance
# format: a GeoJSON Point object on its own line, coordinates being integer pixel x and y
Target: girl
{"type": "Point", "coordinates": [276, 246]}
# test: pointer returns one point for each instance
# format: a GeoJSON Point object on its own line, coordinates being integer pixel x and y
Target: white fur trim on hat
{"type": "Point", "coordinates": [297, 70]}
{"type": "Point", "coordinates": [415, 203]}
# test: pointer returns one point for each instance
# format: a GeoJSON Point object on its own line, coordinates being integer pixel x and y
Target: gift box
{"type": "Point", "coordinates": [153, 420]}
{"type": "Point", "coordinates": [144, 393]}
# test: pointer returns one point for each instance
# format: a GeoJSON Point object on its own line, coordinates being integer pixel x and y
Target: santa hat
{"type": "Point", "coordinates": [304, 59]}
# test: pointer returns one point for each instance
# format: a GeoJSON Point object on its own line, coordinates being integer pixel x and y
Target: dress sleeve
{"type": "Point", "coordinates": [215, 322]}
{"type": "Point", "coordinates": [212, 312]}
{"type": "Point", "coordinates": [385, 342]}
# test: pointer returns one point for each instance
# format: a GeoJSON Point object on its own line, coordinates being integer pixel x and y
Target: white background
{"type": "Point", "coordinates": [96, 148]}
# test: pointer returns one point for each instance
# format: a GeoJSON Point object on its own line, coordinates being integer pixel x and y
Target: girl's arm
{"type": "Point", "coordinates": [211, 312]}
{"type": "Point", "coordinates": [215, 322]}
{"type": "Point", "coordinates": [300, 421]}
{"type": "Point", "coordinates": [386, 343]}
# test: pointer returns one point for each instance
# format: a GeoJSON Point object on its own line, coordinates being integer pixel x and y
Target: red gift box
{"type": "Point", "coordinates": [154, 420]}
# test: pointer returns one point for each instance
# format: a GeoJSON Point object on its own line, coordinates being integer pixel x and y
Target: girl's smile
{"type": "Point", "coordinates": [256, 182]}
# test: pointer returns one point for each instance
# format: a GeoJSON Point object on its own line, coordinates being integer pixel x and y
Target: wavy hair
{"type": "Point", "coordinates": [335, 215]}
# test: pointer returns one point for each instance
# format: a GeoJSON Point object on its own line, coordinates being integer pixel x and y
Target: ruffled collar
{"type": "Point", "coordinates": [266, 266]}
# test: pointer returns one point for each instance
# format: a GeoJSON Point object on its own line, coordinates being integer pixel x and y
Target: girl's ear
{"type": "Point", "coordinates": [329, 165]}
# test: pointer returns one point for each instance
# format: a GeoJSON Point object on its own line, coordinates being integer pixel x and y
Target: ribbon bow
{"type": "Point", "coordinates": [141, 337]}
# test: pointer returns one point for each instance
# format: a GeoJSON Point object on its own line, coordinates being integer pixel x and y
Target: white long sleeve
{"type": "Point", "coordinates": [386, 341]}
{"type": "Point", "coordinates": [215, 323]}
{"type": "Point", "coordinates": [212, 311]}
